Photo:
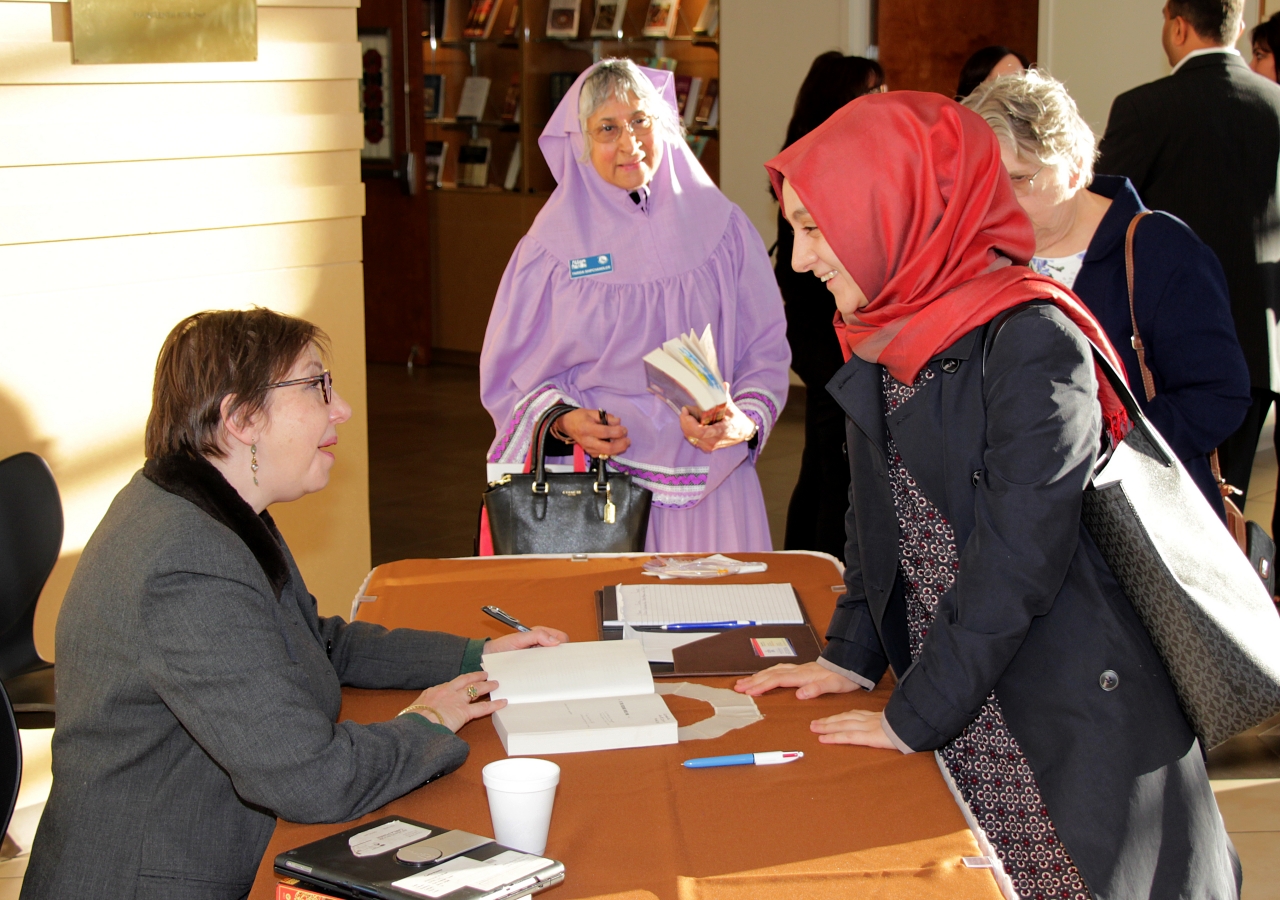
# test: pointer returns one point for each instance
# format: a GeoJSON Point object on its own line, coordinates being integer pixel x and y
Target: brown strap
{"type": "Point", "coordinates": [1148, 383]}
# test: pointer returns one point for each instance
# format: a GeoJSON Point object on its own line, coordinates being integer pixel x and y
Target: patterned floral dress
{"type": "Point", "coordinates": [985, 761]}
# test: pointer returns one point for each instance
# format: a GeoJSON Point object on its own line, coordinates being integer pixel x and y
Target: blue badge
{"type": "Point", "coordinates": [591, 265]}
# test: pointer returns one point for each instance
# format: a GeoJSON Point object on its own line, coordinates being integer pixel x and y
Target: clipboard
{"type": "Point", "coordinates": [731, 651]}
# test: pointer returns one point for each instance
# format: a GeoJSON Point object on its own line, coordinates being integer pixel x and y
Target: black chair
{"type": "Point", "coordinates": [10, 774]}
{"type": "Point", "coordinates": [30, 540]}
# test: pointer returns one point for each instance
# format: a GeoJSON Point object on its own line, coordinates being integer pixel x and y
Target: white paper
{"type": "Point", "coordinates": [391, 836]}
{"type": "Point", "coordinates": [659, 644]}
{"type": "Point", "coordinates": [481, 875]}
{"type": "Point", "coordinates": [665, 604]}
{"type": "Point", "coordinates": [578, 670]}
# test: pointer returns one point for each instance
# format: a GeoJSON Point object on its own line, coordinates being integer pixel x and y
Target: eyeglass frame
{"type": "Point", "coordinates": [324, 379]}
{"type": "Point", "coordinates": [1025, 188]}
{"type": "Point", "coordinates": [630, 125]}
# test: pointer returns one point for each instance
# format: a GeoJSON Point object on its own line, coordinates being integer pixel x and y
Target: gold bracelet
{"type": "Point", "coordinates": [417, 706]}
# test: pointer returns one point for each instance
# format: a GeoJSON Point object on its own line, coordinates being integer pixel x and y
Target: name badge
{"type": "Point", "coordinates": [591, 265]}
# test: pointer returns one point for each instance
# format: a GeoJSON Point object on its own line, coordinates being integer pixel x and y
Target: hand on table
{"type": "Point", "coordinates": [734, 428]}
{"type": "Point", "coordinates": [857, 726]}
{"type": "Point", "coordinates": [540, 636]}
{"type": "Point", "coordinates": [454, 705]}
{"type": "Point", "coordinates": [811, 679]}
{"type": "Point", "coordinates": [583, 427]}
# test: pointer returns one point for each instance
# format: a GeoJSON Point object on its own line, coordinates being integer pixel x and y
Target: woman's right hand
{"type": "Point", "coordinates": [454, 705]}
{"type": "Point", "coordinates": [811, 679]}
{"type": "Point", "coordinates": [584, 428]}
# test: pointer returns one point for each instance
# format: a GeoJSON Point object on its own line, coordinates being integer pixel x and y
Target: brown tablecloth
{"type": "Point", "coordinates": [843, 821]}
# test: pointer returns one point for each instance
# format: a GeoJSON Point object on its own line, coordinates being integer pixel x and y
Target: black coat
{"type": "Point", "coordinates": [1204, 145]}
{"type": "Point", "coordinates": [1184, 317]}
{"type": "Point", "coordinates": [1035, 614]}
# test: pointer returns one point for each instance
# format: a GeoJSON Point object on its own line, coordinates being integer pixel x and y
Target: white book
{"type": "Point", "coordinates": [590, 695]}
{"type": "Point", "coordinates": [691, 104]}
{"type": "Point", "coordinates": [685, 374]}
{"type": "Point", "coordinates": [475, 94]}
{"type": "Point", "coordinates": [562, 18]}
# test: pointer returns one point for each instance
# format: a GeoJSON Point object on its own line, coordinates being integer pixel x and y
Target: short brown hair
{"type": "Point", "coordinates": [210, 355]}
{"type": "Point", "coordinates": [1213, 20]}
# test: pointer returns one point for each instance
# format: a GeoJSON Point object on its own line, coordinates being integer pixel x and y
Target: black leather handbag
{"type": "Point", "coordinates": [572, 512]}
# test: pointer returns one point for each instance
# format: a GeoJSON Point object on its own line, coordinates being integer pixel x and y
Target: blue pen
{"type": "Point", "coordinates": [744, 759]}
{"type": "Point", "coordinates": [695, 626]}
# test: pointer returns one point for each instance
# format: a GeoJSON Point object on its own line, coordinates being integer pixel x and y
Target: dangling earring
{"type": "Point", "coordinates": [253, 461]}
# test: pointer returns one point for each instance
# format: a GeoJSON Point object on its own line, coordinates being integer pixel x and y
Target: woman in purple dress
{"type": "Point", "coordinates": [635, 247]}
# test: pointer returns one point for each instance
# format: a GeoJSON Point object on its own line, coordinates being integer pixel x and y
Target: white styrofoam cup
{"type": "Point", "coordinates": [521, 794]}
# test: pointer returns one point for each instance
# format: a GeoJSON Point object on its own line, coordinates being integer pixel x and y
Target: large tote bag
{"type": "Point", "coordinates": [1210, 618]}
{"type": "Point", "coordinates": [571, 512]}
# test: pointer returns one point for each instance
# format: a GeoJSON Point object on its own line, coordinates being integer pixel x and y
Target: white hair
{"type": "Point", "coordinates": [1033, 115]}
{"type": "Point", "coordinates": [621, 79]}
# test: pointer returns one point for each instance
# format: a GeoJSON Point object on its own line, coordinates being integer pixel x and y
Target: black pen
{"type": "Point", "coordinates": [505, 618]}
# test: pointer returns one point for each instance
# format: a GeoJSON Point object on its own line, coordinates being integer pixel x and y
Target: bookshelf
{"type": "Point", "coordinates": [473, 230]}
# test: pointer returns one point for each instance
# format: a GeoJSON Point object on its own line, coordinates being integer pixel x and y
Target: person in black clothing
{"type": "Point", "coordinates": [1264, 38]}
{"type": "Point", "coordinates": [815, 517]}
{"type": "Point", "coordinates": [1204, 145]}
{"type": "Point", "coordinates": [989, 62]}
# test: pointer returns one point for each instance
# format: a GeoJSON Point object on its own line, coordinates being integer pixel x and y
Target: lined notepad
{"type": "Point", "coordinates": [666, 604]}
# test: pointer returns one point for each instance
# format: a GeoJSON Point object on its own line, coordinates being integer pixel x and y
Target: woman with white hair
{"type": "Point", "coordinates": [1198, 388]}
{"type": "Point", "coordinates": [636, 246]}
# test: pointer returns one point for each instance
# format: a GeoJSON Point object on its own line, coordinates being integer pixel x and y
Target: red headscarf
{"type": "Point", "coordinates": [909, 191]}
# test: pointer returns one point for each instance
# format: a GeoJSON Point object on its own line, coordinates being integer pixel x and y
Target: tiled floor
{"type": "Point", "coordinates": [427, 439]}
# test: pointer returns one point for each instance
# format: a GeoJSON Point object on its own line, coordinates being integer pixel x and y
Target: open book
{"type": "Point", "coordinates": [593, 695]}
{"type": "Point", "coordinates": [684, 372]}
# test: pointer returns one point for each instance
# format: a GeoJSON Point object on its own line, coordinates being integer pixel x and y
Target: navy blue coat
{"type": "Point", "coordinates": [1184, 317]}
{"type": "Point", "coordinates": [1035, 614]}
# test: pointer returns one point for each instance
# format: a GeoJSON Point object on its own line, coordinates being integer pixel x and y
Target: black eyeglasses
{"type": "Point", "coordinates": [324, 379]}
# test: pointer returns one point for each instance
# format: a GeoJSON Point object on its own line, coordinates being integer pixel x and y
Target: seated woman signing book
{"type": "Point", "coordinates": [198, 687]}
{"type": "Point", "coordinates": [635, 247]}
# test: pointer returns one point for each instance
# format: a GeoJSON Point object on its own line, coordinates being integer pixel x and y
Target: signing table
{"type": "Point", "coordinates": [842, 822]}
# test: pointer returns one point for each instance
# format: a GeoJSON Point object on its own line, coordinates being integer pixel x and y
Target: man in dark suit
{"type": "Point", "coordinates": [1204, 144]}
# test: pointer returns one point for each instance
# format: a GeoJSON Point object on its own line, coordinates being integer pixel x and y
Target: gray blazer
{"type": "Point", "coordinates": [197, 696]}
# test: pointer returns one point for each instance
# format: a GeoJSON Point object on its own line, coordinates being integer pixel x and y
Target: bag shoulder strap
{"type": "Point", "coordinates": [1148, 383]}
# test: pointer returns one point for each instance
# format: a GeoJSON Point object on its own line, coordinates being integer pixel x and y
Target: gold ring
{"type": "Point", "coordinates": [693, 441]}
{"type": "Point", "coordinates": [472, 692]}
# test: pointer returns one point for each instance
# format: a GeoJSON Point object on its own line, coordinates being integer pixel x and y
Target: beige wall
{"type": "Point", "coordinates": [766, 47]}
{"type": "Point", "coordinates": [1101, 48]}
{"type": "Point", "coordinates": [133, 195]}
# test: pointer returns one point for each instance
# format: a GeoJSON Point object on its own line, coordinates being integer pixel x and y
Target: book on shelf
{"type": "Point", "coordinates": [660, 20]}
{"type": "Point", "coordinates": [708, 24]}
{"type": "Point", "coordinates": [707, 102]}
{"type": "Point", "coordinates": [290, 889]}
{"type": "Point", "coordinates": [697, 143]}
{"type": "Point", "coordinates": [513, 19]}
{"type": "Point", "coordinates": [480, 19]}
{"type": "Point", "coordinates": [688, 89]}
{"type": "Point", "coordinates": [473, 162]}
{"type": "Point", "coordinates": [475, 96]}
{"type": "Point", "coordinates": [585, 695]}
{"type": "Point", "coordinates": [512, 181]}
{"type": "Point", "coordinates": [435, 13]}
{"type": "Point", "coordinates": [607, 21]}
{"type": "Point", "coordinates": [432, 95]}
{"type": "Point", "coordinates": [560, 83]}
{"type": "Point", "coordinates": [684, 372]}
{"type": "Point", "coordinates": [713, 120]}
{"type": "Point", "coordinates": [562, 18]}
{"type": "Point", "coordinates": [433, 160]}
{"type": "Point", "coordinates": [662, 62]}
{"type": "Point", "coordinates": [511, 103]}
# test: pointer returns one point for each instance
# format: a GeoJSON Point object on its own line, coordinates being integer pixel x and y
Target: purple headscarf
{"type": "Point", "coordinates": [598, 282]}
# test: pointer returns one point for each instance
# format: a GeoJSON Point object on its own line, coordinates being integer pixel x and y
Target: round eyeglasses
{"type": "Point", "coordinates": [1025, 184]}
{"type": "Point", "coordinates": [324, 379]}
{"type": "Point", "coordinates": [609, 132]}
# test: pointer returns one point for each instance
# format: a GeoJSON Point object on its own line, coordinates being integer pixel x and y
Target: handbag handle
{"type": "Point", "coordinates": [540, 432]}
{"type": "Point", "coordinates": [1148, 383]}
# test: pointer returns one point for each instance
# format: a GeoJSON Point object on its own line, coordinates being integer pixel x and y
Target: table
{"type": "Point", "coordinates": [844, 821]}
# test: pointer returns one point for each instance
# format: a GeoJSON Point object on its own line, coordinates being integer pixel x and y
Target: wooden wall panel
{"type": "Point", "coordinates": [132, 195]}
{"type": "Point", "coordinates": [924, 43]}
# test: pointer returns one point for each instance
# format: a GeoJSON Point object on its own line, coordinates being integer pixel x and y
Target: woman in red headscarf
{"type": "Point", "coordinates": [974, 421]}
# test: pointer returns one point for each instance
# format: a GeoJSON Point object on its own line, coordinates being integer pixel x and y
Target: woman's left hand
{"type": "Point", "coordinates": [540, 636]}
{"type": "Point", "coordinates": [857, 726]}
{"type": "Point", "coordinates": [734, 428]}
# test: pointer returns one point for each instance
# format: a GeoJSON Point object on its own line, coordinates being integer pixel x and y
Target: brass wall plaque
{"type": "Point", "coordinates": [163, 31]}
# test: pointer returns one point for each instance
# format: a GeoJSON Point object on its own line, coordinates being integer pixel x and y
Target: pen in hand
{"type": "Point", "coordinates": [505, 618]}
